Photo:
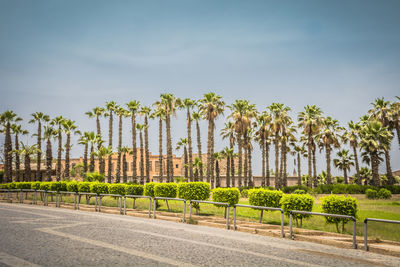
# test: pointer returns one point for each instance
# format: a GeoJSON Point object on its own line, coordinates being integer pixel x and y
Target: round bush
{"type": "Point", "coordinates": [226, 195]}
{"type": "Point", "coordinates": [46, 186]}
{"type": "Point", "coordinates": [72, 186]}
{"type": "Point", "coordinates": [265, 198]}
{"type": "Point", "coordinates": [12, 185]}
{"type": "Point", "coordinates": [58, 186]}
{"type": "Point", "coordinates": [24, 185]}
{"type": "Point", "coordinates": [134, 189]}
{"type": "Point", "coordinates": [301, 202]}
{"type": "Point", "coordinates": [117, 189]}
{"type": "Point", "coordinates": [35, 185]}
{"type": "Point", "coordinates": [149, 189]}
{"type": "Point", "coordinates": [245, 193]}
{"type": "Point", "coordinates": [165, 190]}
{"type": "Point", "coordinates": [84, 187]}
{"type": "Point", "coordinates": [384, 194]}
{"type": "Point", "coordinates": [371, 194]}
{"type": "Point", "coordinates": [99, 188]}
{"type": "Point", "coordinates": [194, 190]}
{"type": "Point", "coordinates": [339, 205]}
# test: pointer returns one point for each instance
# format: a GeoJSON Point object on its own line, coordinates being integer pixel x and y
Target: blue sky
{"type": "Point", "coordinates": [65, 57]}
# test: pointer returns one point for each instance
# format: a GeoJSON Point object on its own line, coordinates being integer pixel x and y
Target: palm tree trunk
{"type": "Point", "coordinates": [124, 172]}
{"type": "Point", "coordinates": [298, 169]}
{"type": "Point", "coordinates": [389, 173]}
{"type": "Point", "coordinates": [212, 153]}
{"type": "Point", "coordinates": [284, 164]}
{"type": "Point", "coordinates": [189, 132]}
{"type": "Point", "coordinates": [7, 149]}
{"type": "Point", "coordinates": [17, 160]}
{"type": "Point", "coordinates": [110, 134]}
{"type": "Point", "coordinates": [309, 156]}
{"type": "Point", "coordinates": [85, 158]}
{"type": "Point", "coordinates": [118, 172]}
{"type": "Point", "coordinates": [59, 153]}
{"type": "Point", "coordinates": [246, 160]}
{"type": "Point", "coordinates": [169, 150]}
{"type": "Point", "coordinates": [209, 153]}
{"type": "Point", "coordinates": [217, 180]}
{"type": "Point", "coordinates": [146, 147]}
{"type": "Point", "coordinates": [27, 167]}
{"type": "Point", "coordinates": [134, 151]}
{"type": "Point", "coordinates": [49, 159]}
{"type": "Point", "coordinates": [398, 132]}
{"type": "Point", "coordinates": [228, 171]}
{"type": "Point", "coordinates": [67, 150]}
{"type": "Point", "coordinates": [185, 157]}
{"type": "Point", "coordinates": [39, 154]}
{"type": "Point", "coordinates": [314, 167]}
{"type": "Point", "coordinates": [232, 167]}
{"type": "Point", "coordinates": [141, 159]}
{"type": "Point", "coordinates": [328, 164]}
{"type": "Point", "coordinates": [250, 169]}
{"type": "Point", "coordinates": [91, 167]}
{"type": "Point", "coordinates": [263, 161]}
{"type": "Point", "coordinates": [277, 185]}
{"type": "Point", "coordinates": [199, 147]}
{"type": "Point", "coordinates": [357, 165]}
{"type": "Point", "coordinates": [160, 149]}
{"type": "Point", "coordinates": [267, 163]}
{"type": "Point", "coordinates": [102, 167]}
{"type": "Point", "coordinates": [346, 180]}
{"type": "Point", "coordinates": [240, 156]}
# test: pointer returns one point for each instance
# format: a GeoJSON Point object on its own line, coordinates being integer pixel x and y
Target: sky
{"type": "Point", "coordinates": [66, 57]}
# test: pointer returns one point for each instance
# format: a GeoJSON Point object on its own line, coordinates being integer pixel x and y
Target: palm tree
{"type": "Point", "coordinates": [249, 147]}
{"type": "Point", "coordinates": [217, 157]}
{"type": "Point", "coordinates": [84, 140]}
{"type": "Point", "coordinates": [120, 112]}
{"type": "Point", "coordinates": [262, 125]}
{"type": "Point", "coordinates": [6, 119]}
{"type": "Point", "coordinates": [124, 150]}
{"type": "Point", "coordinates": [188, 104]}
{"type": "Point", "coordinates": [170, 103]}
{"type": "Point", "coordinates": [375, 138]}
{"type": "Point", "coordinates": [27, 151]}
{"type": "Point", "coordinates": [351, 135]}
{"type": "Point", "coordinates": [196, 116]}
{"type": "Point", "coordinates": [145, 111]}
{"type": "Point", "coordinates": [395, 117]}
{"type": "Point", "coordinates": [229, 133]}
{"type": "Point", "coordinates": [298, 150]}
{"type": "Point", "coordinates": [17, 130]}
{"type": "Point", "coordinates": [183, 143]}
{"type": "Point", "coordinates": [97, 112]}
{"type": "Point", "coordinates": [328, 139]}
{"type": "Point", "coordinates": [134, 107]}
{"type": "Point", "coordinates": [101, 153]}
{"type": "Point", "coordinates": [382, 112]}
{"type": "Point", "coordinates": [48, 134]}
{"type": "Point", "coordinates": [228, 154]}
{"type": "Point", "coordinates": [69, 127]}
{"type": "Point", "coordinates": [198, 166]}
{"type": "Point", "coordinates": [110, 107]}
{"type": "Point", "coordinates": [160, 114]}
{"type": "Point", "coordinates": [38, 118]}
{"type": "Point", "coordinates": [140, 128]}
{"type": "Point", "coordinates": [287, 137]}
{"type": "Point", "coordinates": [58, 121]}
{"type": "Point", "coordinates": [310, 120]}
{"type": "Point", "coordinates": [344, 162]}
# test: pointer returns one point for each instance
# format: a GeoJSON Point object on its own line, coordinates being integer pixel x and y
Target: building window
{"type": "Point", "coordinates": [176, 166]}
{"type": "Point", "coordinates": [157, 166]}
{"type": "Point", "coordinates": [150, 165]}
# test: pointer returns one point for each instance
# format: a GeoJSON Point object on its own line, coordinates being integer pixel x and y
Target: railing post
{"type": "Point", "coordinates": [190, 210]}
{"type": "Point", "coordinates": [282, 224]}
{"type": "Point", "coordinates": [21, 197]}
{"type": "Point", "coordinates": [184, 210]}
{"type": "Point", "coordinates": [365, 235]}
{"type": "Point", "coordinates": [290, 225]}
{"type": "Point", "coordinates": [95, 202]}
{"type": "Point", "coordinates": [227, 217]}
{"type": "Point", "coordinates": [149, 207]}
{"type": "Point", "coordinates": [75, 201]}
{"type": "Point", "coordinates": [35, 198]}
{"type": "Point", "coordinates": [154, 207]}
{"type": "Point", "coordinates": [120, 205]}
{"type": "Point", "coordinates": [124, 205]}
{"type": "Point", "coordinates": [234, 217]}
{"type": "Point", "coordinates": [354, 234]}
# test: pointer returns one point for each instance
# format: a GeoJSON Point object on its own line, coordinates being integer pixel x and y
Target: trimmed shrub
{"type": "Point", "coordinates": [35, 185]}
{"type": "Point", "coordinates": [265, 198]}
{"type": "Point", "coordinates": [94, 177]}
{"type": "Point", "coordinates": [244, 193]}
{"type": "Point", "coordinates": [84, 187]}
{"type": "Point", "coordinates": [226, 195]}
{"type": "Point", "coordinates": [99, 188]}
{"type": "Point", "coordinates": [371, 194]}
{"type": "Point", "coordinates": [394, 189]}
{"type": "Point", "coordinates": [291, 189]}
{"type": "Point", "coordinates": [194, 191]}
{"type": "Point", "coordinates": [24, 185]}
{"type": "Point", "coordinates": [301, 202]}
{"type": "Point", "coordinates": [58, 186]}
{"type": "Point", "coordinates": [117, 189]}
{"type": "Point", "coordinates": [46, 186]}
{"type": "Point", "coordinates": [134, 189]}
{"type": "Point", "coordinates": [149, 189]}
{"type": "Point", "coordinates": [72, 186]}
{"type": "Point", "coordinates": [299, 191]}
{"type": "Point", "coordinates": [3, 186]}
{"type": "Point", "coordinates": [165, 190]}
{"type": "Point", "coordinates": [339, 205]}
{"type": "Point", "coordinates": [384, 194]}
{"type": "Point", "coordinates": [12, 185]}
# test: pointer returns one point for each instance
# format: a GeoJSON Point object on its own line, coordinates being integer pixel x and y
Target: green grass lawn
{"type": "Point", "coordinates": [382, 209]}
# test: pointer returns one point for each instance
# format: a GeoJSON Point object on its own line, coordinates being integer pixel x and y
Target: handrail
{"type": "Point", "coordinates": [374, 220]}
{"type": "Point", "coordinates": [211, 202]}
{"type": "Point", "coordinates": [137, 196]}
{"type": "Point", "coordinates": [326, 215]}
{"type": "Point", "coordinates": [170, 198]}
{"type": "Point", "coordinates": [89, 194]}
{"type": "Point", "coordinates": [111, 195]}
{"type": "Point", "coordinates": [260, 208]}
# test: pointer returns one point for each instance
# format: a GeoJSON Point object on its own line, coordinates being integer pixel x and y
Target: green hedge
{"type": "Point", "coordinates": [165, 190]}
{"type": "Point", "coordinates": [194, 190]}
{"type": "Point", "coordinates": [371, 194]}
{"type": "Point", "coordinates": [149, 189]}
{"type": "Point", "coordinates": [265, 198]}
{"type": "Point", "coordinates": [384, 193]}
{"type": "Point", "coordinates": [46, 186]}
{"type": "Point", "coordinates": [84, 187]}
{"type": "Point", "coordinates": [339, 205]}
{"type": "Point", "coordinates": [72, 186]}
{"type": "Point", "coordinates": [226, 195]}
{"type": "Point", "coordinates": [98, 188]}
{"type": "Point", "coordinates": [58, 186]}
{"type": "Point", "coordinates": [301, 202]}
{"type": "Point", "coordinates": [117, 189]}
{"type": "Point", "coordinates": [291, 189]}
{"type": "Point", "coordinates": [24, 185]}
{"type": "Point", "coordinates": [134, 189]}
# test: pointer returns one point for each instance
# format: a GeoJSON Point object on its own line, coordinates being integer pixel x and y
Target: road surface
{"type": "Point", "coordinates": [46, 236]}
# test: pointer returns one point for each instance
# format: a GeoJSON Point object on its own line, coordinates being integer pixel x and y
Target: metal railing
{"type": "Point", "coordinates": [119, 203]}
{"type": "Point", "coordinates": [169, 198]}
{"type": "Point", "coordinates": [67, 193]}
{"type": "Point", "coordinates": [137, 196]}
{"type": "Point", "coordinates": [211, 202]}
{"type": "Point", "coordinates": [87, 194]}
{"type": "Point", "coordinates": [260, 208]}
{"type": "Point", "coordinates": [366, 230]}
{"type": "Point", "coordinates": [326, 215]}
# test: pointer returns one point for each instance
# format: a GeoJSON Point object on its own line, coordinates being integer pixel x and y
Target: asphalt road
{"type": "Point", "coordinates": [37, 235]}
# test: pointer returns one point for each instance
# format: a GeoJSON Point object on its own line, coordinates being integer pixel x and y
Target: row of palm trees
{"type": "Point", "coordinates": [272, 127]}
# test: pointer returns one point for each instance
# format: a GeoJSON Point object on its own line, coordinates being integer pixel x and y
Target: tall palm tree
{"type": "Point", "coordinates": [249, 147]}
{"type": "Point", "coordinates": [97, 112]}
{"type": "Point", "coordinates": [196, 116]}
{"type": "Point", "coordinates": [38, 118]}
{"type": "Point", "coordinates": [27, 151]}
{"type": "Point", "coordinates": [183, 143]}
{"type": "Point", "coordinates": [382, 111]}
{"type": "Point", "coordinates": [229, 133]}
{"type": "Point", "coordinates": [188, 104]}
{"type": "Point", "coordinates": [344, 162]}
{"type": "Point", "coordinates": [124, 150]}
{"type": "Point", "coordinates": [17, 131]}
{"type": "Point", "coordinates": [218, 156]}
{"type": "Point", "coordinates": [140, 128]}
{"type": "Point", "coordinates": [328, 139]}
{"type": "Point", "coordinates": [69, 127]}
{"type": "Point", "coordinates": [84, 140]}
{"type": "Point", "coordinates": [298, 151]}
{"type": "Point", "coordinates": [121, 113]}
{"type": "Point", "coordinates": [211, 105]}
{"type": "Point", "coordinates": [133, 107]}
{"type": "Point", "coordinates": [262, 134]}
{"type": "Point", "coordinates": [395, 117]}
{"type": "Point", "coordinates": [6, 119]}
{"type": "Point", "coordinates": [198, 166]}
{"type": "Point", "coordinates": [352, 135]}
{"type": "Point", "coordinates": [160, 114]}
{"type": "Point", "coordinates": [228, 155]}
{"type": "Point", "coordinates": [48, 134]}
{"type": "Point", "coordinates": [110, 107]}
{"type": "Point", "coordinates": [310, 120]}
{"type": "Point", "coordinates": [374, 139]}
{"type": "Point", "coordinates": [101, 153]}
{"type": "Point", "coordinates": [58, 121]}
{"type": "Point", "coordinates": [145, 111]}
{"type": "Point", "coordinates": [287, 137]}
